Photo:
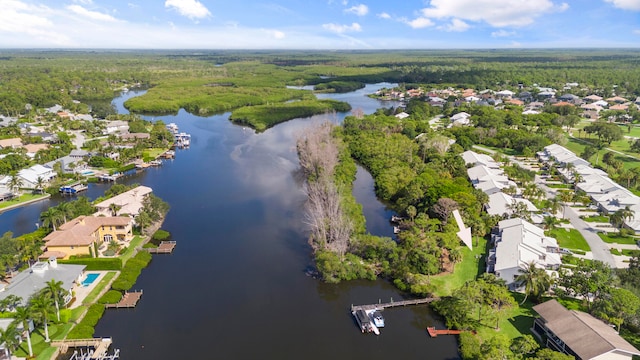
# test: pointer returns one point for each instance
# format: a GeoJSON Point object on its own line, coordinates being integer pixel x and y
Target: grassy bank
{"type": "Point", "coordinates": [262, 117]}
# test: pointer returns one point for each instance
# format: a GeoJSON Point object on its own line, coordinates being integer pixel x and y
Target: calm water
{"type": "Point", "coordinates": [236, 287]}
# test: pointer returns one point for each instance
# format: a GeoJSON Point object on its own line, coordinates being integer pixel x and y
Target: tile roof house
{"type": "Point", "coordinates": [84, 234]}
{"type": "Point", "coordinates": [129, 202]}
{"type": "Point", "coordinates": [593, 98]}
{"type": "Point", "coordinates": [13, 143]}
{"type": "Point", "coordinates": [579, 334]}
{"type": "Point", "coordinates": [517, 243]}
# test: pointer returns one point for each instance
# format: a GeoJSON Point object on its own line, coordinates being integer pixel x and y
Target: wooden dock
{"type": "Point", "coordinates": [382, 306]}
{"type": "Point", "coordinates": [165, 247]}
{"type": "Point", "coordinates": [129, 300]}
{"type": "Point", "coordinates": [100, 345]}
{"type": "Point", "coordinates": [434, 333]}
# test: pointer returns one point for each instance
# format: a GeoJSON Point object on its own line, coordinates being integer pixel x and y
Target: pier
{"type": "Point", "coordinates": [73, 189]}
{"type": "Point", "coordinates": [165, 247]}
{"type": "Point", "coordinates": [434, 333]}
{"type": "Point", "coordinates": [129, 300]}
{"type": "Point", "coordinates": [382, 306]}
{"type": "Point", "coordinates": [99, 345]}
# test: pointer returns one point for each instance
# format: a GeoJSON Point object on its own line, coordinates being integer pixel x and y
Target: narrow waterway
{"type": "Point", "coordinates": [236, 285]}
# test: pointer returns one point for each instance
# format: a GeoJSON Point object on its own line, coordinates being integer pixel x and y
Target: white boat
{"type": "Point", "coordinates": [365, 322]}
{"type": "Point", "coordinates": [377, 318]}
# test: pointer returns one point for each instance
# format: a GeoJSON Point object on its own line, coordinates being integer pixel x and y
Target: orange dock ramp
{"type": "Point", "coordinates": [434, 333]}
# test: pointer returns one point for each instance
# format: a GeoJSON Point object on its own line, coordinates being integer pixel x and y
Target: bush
{"type": "Point", "coordinates": [85, 329]}
{"type": "Point", "coordinates": [111, 297]}
{"type": "Point", "coordinates": [161, 235]}
{"type": "Point", "coordinates": [334, 270]}
{"type": "Point", "coordinates": [65, 316]}
{"type": "Point", "coordinates": [131, 271]}
{"type": "Point", "coordinates": [96, 263]}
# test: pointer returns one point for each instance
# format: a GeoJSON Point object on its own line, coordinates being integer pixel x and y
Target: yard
{"type": "Point", "coordinates": [570, 239]}
{"type": "Point", "coordinates": [617, 239]}
{"type": "Point", "coordinates": [471, 265]}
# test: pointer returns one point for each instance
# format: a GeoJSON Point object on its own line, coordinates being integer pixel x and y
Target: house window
{"type": "Point", "coordinates": [107, 238]}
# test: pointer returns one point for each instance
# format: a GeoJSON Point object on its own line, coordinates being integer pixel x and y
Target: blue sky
{"type": "Point", "coordinates": [318, 24]}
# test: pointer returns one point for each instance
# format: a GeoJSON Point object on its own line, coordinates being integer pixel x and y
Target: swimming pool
{"type": "Point", "coordinates": [87, 172]}
{"type": "Point", "coordinates": [89, 279]}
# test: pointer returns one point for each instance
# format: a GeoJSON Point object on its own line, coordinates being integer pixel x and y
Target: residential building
{"type": "Point", "coordinates": [86, 235]}
{"type": "Point", "coordinates": [35, 278]}
{"type": "Point", "coordinates": [579, 334]}
{"type": "Point", "coordinates": [128, 203]}
{"type": "Point", "coordinates": [30, 175]}
{"type": "Point", "coordinates": [516, 244]}
{"type": "Point", "coordinates": [12, 143]}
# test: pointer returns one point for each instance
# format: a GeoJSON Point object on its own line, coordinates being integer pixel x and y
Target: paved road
{"type": "Point", "coordinates": [599, 248]}
{"type": "Point", "coordinates": [78, 141]}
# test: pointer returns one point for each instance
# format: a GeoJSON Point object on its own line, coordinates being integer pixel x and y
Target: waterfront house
{"type": "Point", "coordinates": [579, 334]}
{"type": "Point", "coordinates": [516, 244]}
{"type": "Point", "coordinates": [12, 143]}
{"type": "Point", "coordinates": [35, 278]}
{"type": "Point", "coordinates": [30, 175]}
{"type": "Point", "coordinates": [128, 203]}
{"type": "Point", "coordinates": [88, 235]}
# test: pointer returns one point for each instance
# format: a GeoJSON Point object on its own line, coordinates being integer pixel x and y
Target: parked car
{"type": "Point", "coordinates": [566, 251]}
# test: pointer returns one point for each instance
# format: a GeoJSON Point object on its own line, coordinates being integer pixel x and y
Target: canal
{"type": "Point", "coordinates": [236, 287]}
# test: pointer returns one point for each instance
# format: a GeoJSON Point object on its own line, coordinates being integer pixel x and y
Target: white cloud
{"type": "Point", "coordinates": [503, 33]}
{"type": "Point", "coordinates": [29, 22]}
{"type": "Point", "coordinates": [276, 34]}
{"type": "Point", "coordinates": [497, 13]}
{"type": "Point", "coordinates": [384, 15]}
{"type": "Point", "coordinates": [360, 10]}
{"type": "Point", "coordinates": [340, 29]}
{"type": "Point", "coordinates": [637, 32]}
{"type": "Point", "coordinates": [419, 23]}
{"type": "Point", "coordinates": [93, 15]}
{"type": "Point", "coordinates": [193, 9]}
{"type": "Point", "coordinates": [133, 6]}
{"type": "Point", "coordinates": [626, 4]}
{"type": "Point", "coordinates": [456, 25]}
{"type": "Point", "coordinates": [83, 2]}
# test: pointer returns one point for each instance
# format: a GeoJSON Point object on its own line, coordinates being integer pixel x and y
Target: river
{"type": "Point", "coordinates": [236, 285]}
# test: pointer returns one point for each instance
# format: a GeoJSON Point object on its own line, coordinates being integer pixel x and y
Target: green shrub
{"type": "Point", "coordinates": [111, 297]}
{"type": "Point", "coordinates": [131, 271]}
{"type": "Point", "coordinates": [65, 316]}
{"type": "Point", "coordinates": [96, 263]}
{"type": "Point", "coordinates": [161, 235]}
{"type": "Point", "coordinates": [85, 329]}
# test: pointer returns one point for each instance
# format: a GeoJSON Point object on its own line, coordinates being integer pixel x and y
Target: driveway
{"type": "Point", "coordinates": [599, 248]}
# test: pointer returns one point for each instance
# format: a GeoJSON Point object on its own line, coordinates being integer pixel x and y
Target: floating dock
{"type": "Point", "coordinates": [165, 247]}
{"type": "Point", "coordinates": [129, 300]}
{"type": "Point", "coordinates": [382, 306]}
{"type": "Point", "coordinates": [434, 333]}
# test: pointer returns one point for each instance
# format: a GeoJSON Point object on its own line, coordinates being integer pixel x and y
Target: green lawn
{"type": "Point", "coordinates": [570, 239]}
{"type": "Point", "coordinates": [131, 249]}
{"type": "Point", "coordinates": [615, 238]}
{"type": "Point", "coordinates": [468, 269]}
{"type": "Point", "coordinates": [153, 152]}
{"type": "Point", "coordinates": [559, 186]}
{"type": "Point", "coordinates": [91, 298]}
{"type": "Point", "coordinates": [516, 322]}
{"type": "Point", "coordinates": [597, 218]}
{"type": "Point", "coordinates": [21, 199]}
{"type": "Point", "coordinates": [40, 348]}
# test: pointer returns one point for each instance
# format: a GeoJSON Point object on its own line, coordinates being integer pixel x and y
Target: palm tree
{"type": "Point", "coordinates": [42, 306]}
{"type": "Point", "coordinates": [536, 281]}
{"type": "Point", "coordinates": [550, 222]}
{"type": "Point", "coordinates": [565, 197]}
{"type": "Point", "coordinates": [553, 205]}
{"type": "Point", "coordinates": [55, 291]}
{"type": "Point", "coordinates": [23, 315]}
{"type": "Point", "coordinates": [40, 183]}
{"type": "Point", "coordinates": [114, 208]}
{"type": "Point", "coordinates": [51, 217]}
{"type": "Point", "coordinates": [15, 183]}
{"type": "Point", "coordinates": [618, 218]}
{"type": "Point", "coordinates": [9, 337]}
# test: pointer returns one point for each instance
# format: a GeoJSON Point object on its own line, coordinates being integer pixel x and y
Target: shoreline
{"type": "Point", "coordinates": [28, 202]}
